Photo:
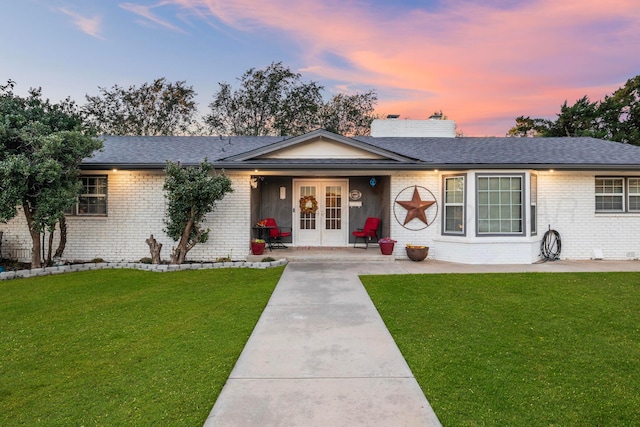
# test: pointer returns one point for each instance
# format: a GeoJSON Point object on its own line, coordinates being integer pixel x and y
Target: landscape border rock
{"type": "Point", "coordinates": [159, 268]}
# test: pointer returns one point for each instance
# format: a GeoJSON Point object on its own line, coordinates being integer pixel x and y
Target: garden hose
{"type": "Point", "coordinates": [550, 246]}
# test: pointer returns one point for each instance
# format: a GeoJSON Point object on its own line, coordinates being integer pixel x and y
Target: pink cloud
{"type": "Point", "coordinates": [91, 26]}
{"type": "Point", "coordinates": [146, 12]}
{"type": "Point", "coordinates": [481, 64]}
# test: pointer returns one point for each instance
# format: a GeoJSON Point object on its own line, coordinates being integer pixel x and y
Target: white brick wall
{"type": "Point", "coordinates": [566, 202]}
{"type": "Point", "coordinates": [405, 182]}
{"type": "Point", "coordinates": [136, 209]}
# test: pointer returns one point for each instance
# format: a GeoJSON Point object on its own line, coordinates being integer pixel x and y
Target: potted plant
{"type": "Point", "coordinates": [257, 246]}
{"type": "Point", "coordinates": [417, 252]}
{"type": "Point", "coordinates": [386, 245]}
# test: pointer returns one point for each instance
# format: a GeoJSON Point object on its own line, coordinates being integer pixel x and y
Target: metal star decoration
{"type": "Point", "coordinates": [416, 207]}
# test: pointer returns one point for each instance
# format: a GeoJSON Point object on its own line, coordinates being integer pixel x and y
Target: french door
{"type": "Point", "coordinates": [322, 221]}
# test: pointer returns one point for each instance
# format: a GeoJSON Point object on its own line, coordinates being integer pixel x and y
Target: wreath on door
{"type": "Point", "coordinates": [308, 205]}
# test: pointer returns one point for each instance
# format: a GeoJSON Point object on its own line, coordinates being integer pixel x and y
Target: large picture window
{"type": "Point", "coordinates": [500, 204]}
{"type": "Point", "coordinates": [454, 215]}
{"type": "Point", "coordinates": [93, 197]}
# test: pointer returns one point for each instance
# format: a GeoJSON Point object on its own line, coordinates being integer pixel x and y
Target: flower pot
{"type": "Point", "coordinates": [386, 247]}
{"type": "Point", "coordinates": [257, 248]}
{"type": "Point", "coordinates": [417, 253]}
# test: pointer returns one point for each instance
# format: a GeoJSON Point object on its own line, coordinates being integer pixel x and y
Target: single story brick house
{"type": "Point", "coordinates": [471, 200]}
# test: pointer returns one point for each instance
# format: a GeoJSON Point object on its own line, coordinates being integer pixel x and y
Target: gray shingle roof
{"type": "Point", "coordinates": [512, 151]}
{"type": "Point", "coordinates": [152, 151]}
{"type": "Point", "coordinates": [576, 153]}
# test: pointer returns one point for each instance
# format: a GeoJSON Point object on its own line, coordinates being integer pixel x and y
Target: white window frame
{"type": "Point", "coordinates": [605, 185]}
{"type": "Point", "coordinates": [447, 205]}
{"type": "Point", "coordinates": [634, 193]}
{"type": "Point", "coordinates": [533, 197]}
{"type": "Point", "coordinates": [500, 205]}
{"type": "Point", "coordinates": [76, 209]}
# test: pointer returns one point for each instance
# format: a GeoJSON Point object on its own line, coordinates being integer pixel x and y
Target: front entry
{"type": "Point", "coordinates": [324, 221]}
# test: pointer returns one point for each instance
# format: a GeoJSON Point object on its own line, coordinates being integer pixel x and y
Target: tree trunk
{"type": "Point", "coordinates": [50, 247]}
{"type": "Point", "coordinates": [180, 251]}
{"type": "Point", "coordinates": [63, 238]}
{"type": "Point", "coordinates": [36, 261]}
{"type": "Point", "coordinates": [155, 249]}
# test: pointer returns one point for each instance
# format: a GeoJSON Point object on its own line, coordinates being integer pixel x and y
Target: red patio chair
{"type": "Point", "coordinates": [370, 230]}
{"type": "Point", "coordinates": [276, 234]}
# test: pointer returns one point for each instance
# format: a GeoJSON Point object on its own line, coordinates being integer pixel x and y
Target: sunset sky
{"type": "Point", "coordinates": [482, 62]}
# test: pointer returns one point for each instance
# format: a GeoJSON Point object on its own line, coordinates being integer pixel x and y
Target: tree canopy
{"type": "Point", "coordinates": [158, 108]}
{"type": "Point", "coordinates": [275, 101]}
{"type": "Point", "coordinates": [191, 194]}
{"type": "Point", "coordinates": [41, 147]}
{"type": "Point", "coordinates": [348, 114]}
{"type": "Point", "coordinates": [616, 118]}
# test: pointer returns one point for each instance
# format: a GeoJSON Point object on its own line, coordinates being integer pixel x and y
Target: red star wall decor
{"type": "Point", "coordinates": [416, 207]}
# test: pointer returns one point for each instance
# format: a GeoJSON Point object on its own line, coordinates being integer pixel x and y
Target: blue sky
{"type": "Point", "coordinates": [482, 62]}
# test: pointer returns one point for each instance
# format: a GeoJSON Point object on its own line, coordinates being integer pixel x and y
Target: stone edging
{"type": "Point", "coordinates": [160, 268]}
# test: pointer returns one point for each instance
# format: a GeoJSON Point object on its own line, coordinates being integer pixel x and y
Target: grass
{"type": "Point", "coordinates": [124, 347]}
{"type": "Point", "coordinates": [519, 349]}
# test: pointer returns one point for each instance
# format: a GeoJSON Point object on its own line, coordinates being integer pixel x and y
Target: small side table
{"type": "Point", "coordinates": [263, 233]}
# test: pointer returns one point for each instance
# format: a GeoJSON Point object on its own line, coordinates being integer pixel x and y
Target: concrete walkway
{"type": "Point", "coordinates": [321, 355]}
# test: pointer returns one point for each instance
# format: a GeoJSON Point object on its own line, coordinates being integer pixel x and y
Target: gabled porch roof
{"type": "Point", "coordinates": [368, 151]}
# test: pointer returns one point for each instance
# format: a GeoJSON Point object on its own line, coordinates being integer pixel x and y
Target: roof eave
{"type": "Point", "coordinates": [417, 166]}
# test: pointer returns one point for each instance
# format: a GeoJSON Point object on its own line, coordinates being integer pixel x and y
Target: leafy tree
{"type": "Point", "coordinates": [191, 194]}
{"type": "Point", "coordinates": [616, 118]}
{"type": "Point", "coordinates": [349, 114]}
{"type": "Point", "coordinates": [159, 108]}
{"type": "Point", "coordinates": [273, 101]}
{"type": "Point", "coordinates": [41, 147]}
{"type": "Point", "coordinates": [619, 113]}
{"type": "Point", "coordinates": [526, 126]}
{"type": "Point", "coordinates": [579, 119]}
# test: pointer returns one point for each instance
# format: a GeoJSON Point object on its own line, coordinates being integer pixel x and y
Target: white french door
{"type": "Point", "coordinates": [327, 226]}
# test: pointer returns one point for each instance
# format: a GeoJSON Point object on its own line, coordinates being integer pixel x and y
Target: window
{"type": "Point", "coordinates": [609, 194]}
{"type": "Point", "coordinates": [454, 215]}
{"type": "Point", "coordinates": [308, 220]}
{"type": "Point", "coordinates": [93, 196]}
{"type": "Point", "coordinates": [617, 194]}
{"type": "Point", "coordinates": [634, 194]}
{"type": "Point", "coordinates": [500, 204]}
{"type": "Point", "coordinates": [533, 191]}
{"type": "Point", "coordinates": [333, 207]}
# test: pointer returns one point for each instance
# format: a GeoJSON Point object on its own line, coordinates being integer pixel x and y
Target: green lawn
{"type": "Point", "coordinates": [124, 347]}
{"type": "Point", "coordinates": [519, 349]}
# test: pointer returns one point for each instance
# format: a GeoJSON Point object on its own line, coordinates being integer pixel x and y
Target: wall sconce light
{"type": "Point", "coordinates": [283, 193]}
{"type": "Point", "coordinates": [254, 182]}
